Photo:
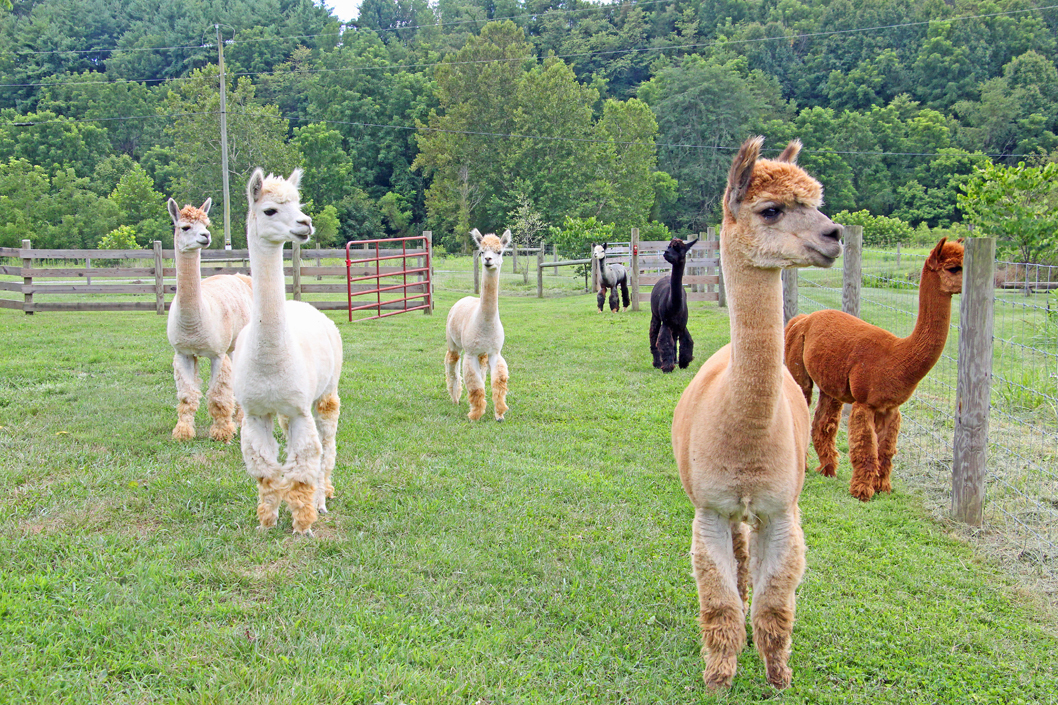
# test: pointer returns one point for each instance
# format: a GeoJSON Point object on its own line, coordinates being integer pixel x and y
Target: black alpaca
{"type": "Point", "coordinates": [668, 312]}
{"type": "Point", "coordinates": [610, 277]}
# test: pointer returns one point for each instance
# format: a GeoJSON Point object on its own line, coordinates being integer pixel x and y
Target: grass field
{"type": "Point", "coordinates": [542, 560]}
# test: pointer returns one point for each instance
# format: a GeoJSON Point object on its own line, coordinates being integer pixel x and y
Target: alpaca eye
{"type": "Point", "coordinates": [955, 270]}
{"type": "Point", "coordinates": [771, 213]}
{"type": "Point", "coordinates": [186, 228]}
{"type": "Point", "coordinates": [270, 211]}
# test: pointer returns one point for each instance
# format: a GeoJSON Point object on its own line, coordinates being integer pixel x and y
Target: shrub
{"type": "Point", "coordinates": [121, 238]}
{"type": "Point", "coordinates": [878, 230]}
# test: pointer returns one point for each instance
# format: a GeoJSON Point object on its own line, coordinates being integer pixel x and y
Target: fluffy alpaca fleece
{"type": "Point", "coordinates": [853, 362]}
{"type": "Point", "coordinates": [740, 430]}
{"type": "Point", "coordinates": [205, 320]}
{"type": "Point", "coordinates": [611, 276]}
{"type": "Point", "coordinates": [288, 362]}
{"type": "Point", "coordinates": [668, 313]}
{"type": "Point", "coordinates": [474, 330]}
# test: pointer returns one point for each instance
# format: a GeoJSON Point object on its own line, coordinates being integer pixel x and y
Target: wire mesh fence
{"type": "Point", "coordinates": [1021, 498]}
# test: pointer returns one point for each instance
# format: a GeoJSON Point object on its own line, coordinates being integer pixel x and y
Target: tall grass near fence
{"type": "Point", "coordinates": [1021, 499]}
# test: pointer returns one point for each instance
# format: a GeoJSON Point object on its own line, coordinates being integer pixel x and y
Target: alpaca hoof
{"type": "Point", "coordinates": [500, 418]}
{"type": "Point", "coordinates": [329, 491]}
{"type": "Point", "coordinates": [183, 432]}
{"type": "Point", "coordinates": [222, 434]}
{"type": "Point", "coordinates": [827, 471]}
{"type": "Point", "coordinates": [883, 486]}
{"type": "Point", "coordinates": [717, 681]}
{"type": "Point", "coordinates": [666, 368]}
{"type": "Point", "coordinates": [306, 534]}
{"type": "Point", "coordinates": [780, 676]}
{"type": "Point", "coordinates": [863, 494]}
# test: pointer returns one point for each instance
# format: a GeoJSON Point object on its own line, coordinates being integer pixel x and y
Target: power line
{"type": "Point", "coordinates": [118, 82]}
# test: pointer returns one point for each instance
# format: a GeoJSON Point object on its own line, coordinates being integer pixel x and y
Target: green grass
{"type": "Point", "coordinates": [542, 560]}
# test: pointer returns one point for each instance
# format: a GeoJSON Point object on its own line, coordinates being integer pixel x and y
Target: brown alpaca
{"type": "Point", "coordinates": [740, 430]}
{"type": "Point", "coordinates": [853, 362]}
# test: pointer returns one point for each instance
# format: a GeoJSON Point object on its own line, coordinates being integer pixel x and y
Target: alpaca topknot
{"type": "Point", "coordinates": [783, 182]}
{"type": "Point", "coordinates": [491, 242]}
{"type": "Point", "coordinates": [280, 190]}
{"type": "Point", "coordinates": [194, 214]}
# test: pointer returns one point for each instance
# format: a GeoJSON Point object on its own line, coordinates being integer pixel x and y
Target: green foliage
{"type": "Point", "coordinates": [1017, 205]}
{"type": "Point", "coordinates": [142, 207]}
{"type": "Point", "coordinates": [878, 230]}
{"type": "Point", "coordinates": [121, 238]}
{"type": "Point", "coordinates": [577, 235]}
{"type": "Point", "coordinates": [326, 225]}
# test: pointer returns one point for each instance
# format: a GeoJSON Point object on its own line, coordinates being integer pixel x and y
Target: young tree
{"type": "Point", "coordinates": [1017, 205]}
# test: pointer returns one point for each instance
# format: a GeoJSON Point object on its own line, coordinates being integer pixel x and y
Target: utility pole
{"type": "Point", "coordinates": [224, 141]}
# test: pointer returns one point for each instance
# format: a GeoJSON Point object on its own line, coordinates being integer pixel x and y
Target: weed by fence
{"type": "Point", "coordinates": [1021, 483]}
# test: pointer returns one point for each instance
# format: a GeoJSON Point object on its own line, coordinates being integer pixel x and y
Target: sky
{"type": "Point", "coordinates": [344, 10]}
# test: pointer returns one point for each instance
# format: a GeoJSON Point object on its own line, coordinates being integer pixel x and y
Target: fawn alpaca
{"type": "Point", "coordinates": [205, 319]}
{"type": "Point", "coordinates": [740, 430]}
{"type": "Point", "coordinates": [474, 329]}
{"type": "Point", "coordinates": [853, 362]}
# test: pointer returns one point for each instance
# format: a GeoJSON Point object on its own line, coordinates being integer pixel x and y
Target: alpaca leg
{"type": "Point", "coordinates": [794, 341]}
{"type": "Point", "coordinates": [260, 452]}
{"type": "Point", "coordinates": [655, 329]}
{"type": "Point", "coordinates": [825, 433]}
{"type": "Point", "coordinates": [452, 379]}
{"type": "Point", "coordinates": [721, 615]}
{"type": "Point", "coordinates": [888, 426]}
{"type": "Point", "coordinates": [778, 562]}
{"type": "Point", "coordinates": [863, 452]}
{"type": "Point", "coordinates": [667, 349]}
{"type": "Point", "coordinates": [740, 544]}
{"type": "Point", "coordinates": [624, 293]}
{"type": "Point", "coordinates": [601, 297]}
{"type": "Point", "coordinates": [328, 408]}
{"type": "Point", "coordinates": [614, 301]}
{"type": "Point", "coordinates": [303, 472]}
{"type": "Point", "coordinates": [499, 376]}
{"type": "Point", "coordinates": [472, 375]}
{"type": "Point", "coordinates": [221, 399]}
{"type": "Point", "coordinates": [686, 348]}
{"type": "Point", "coordinates": [185, 372]}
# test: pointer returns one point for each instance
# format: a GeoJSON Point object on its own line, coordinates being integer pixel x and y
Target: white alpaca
{"type": "Point", "coordinates": [474, 329]}
{"type": "Point", "coordinates": [287, 364]}
{"type": "Point", "coordinates": [204, 321]}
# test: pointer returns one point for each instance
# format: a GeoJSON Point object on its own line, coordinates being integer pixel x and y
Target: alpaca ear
{"type": "Point", "coordinates": [934, 256]}
{"type": "Point", "coordinates": [790, 153]}
{"type": "Point", "coordinates": [295, 177]}
{"type": "Point", "coordinates": [255, 185]}
{"type": "Point", "coordinates": [741, 173]}
{"type": "Point", "coordinates": [505, 239]}
{"type": "Point", "coordinates": [692, 243]}
{"type": "Point", "coordinates": [174, 211]}
{"type": "Point", "coordinates": [477, 236]}
{"type": "Point", "coordinates": [206, 206]}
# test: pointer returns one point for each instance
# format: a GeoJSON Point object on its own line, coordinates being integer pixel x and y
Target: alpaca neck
{"type": "Point", "coordinates": [269, 284]}
{"type": "Point", "coordinates": [924, 346]}
{"type": "Point", "coordinates": [490, 293]}
{"type": "Point", "coordinates": [189, 289]}
{"type": "Point", "coordinates": [676, 295]}
{"type": "Point", "coordinates": [755, 303]}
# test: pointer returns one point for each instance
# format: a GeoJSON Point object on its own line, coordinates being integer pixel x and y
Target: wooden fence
{"type": "Point", "coordinates": [145, 280]}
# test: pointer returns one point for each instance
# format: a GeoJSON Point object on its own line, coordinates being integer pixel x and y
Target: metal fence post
{"type": "Point", "coordinates": [973, 389]}
{"type": "Point", "coordinates": [27, 282]}
{"type": "Point", "coordinates": [635, 269]}
{"type": "Point", "coordinates": [852, 268]}
{"type": "Point", "coordinates": [427, 236]}
{"type": "Point", "coordinates": [159, 281]}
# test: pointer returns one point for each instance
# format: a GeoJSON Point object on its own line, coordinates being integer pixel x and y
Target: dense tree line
{"type": "Point", "coordinates": [493, 113]}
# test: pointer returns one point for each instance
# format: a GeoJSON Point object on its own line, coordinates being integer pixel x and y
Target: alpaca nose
{"type": "Point", "coordinates": [834, 233]}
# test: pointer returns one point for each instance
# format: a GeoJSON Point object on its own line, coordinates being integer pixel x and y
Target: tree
{"type": "Point", "coordinates": [878, 230]}
{"type": "Point", "coordinates": [626, 176]}
{"type": "Point", "coordinates": [52, 141]}
{"type": "Point", "coordinates": [1017, 205]}
{"type": "Point", "coordinates": [141, 206]}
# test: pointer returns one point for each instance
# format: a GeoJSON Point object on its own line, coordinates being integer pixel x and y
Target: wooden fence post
{"type": "Point", "coordinates": [428, 238]}
{"type": "Point", "coordinates": [852, 268]}
{"type": "Point", "coordinates": [295, 267]}
{"type": "Point", "coordinates": [539, 271]}
{"type": "Point", "coordinates": [554, 258]}
{"type": "Point", "coordinates": [594, 270]}
{"type": "Point", "coordinates": [721, 290]}
{"type": "Point", "coordinates": [159, 280]}
{"type": "Point", "coordinates": [27, 263]}
{"type": "Point", "coordinates": [477, 275]}
{"type": "Point", "coordinates": [898, 255]}
{"type": "Point", "coordinates": [973, 389]}
{"type": "Point", "coordinates": [789, 295]}
{"type": "Point", "coordinates": [514, 254]}
{"type": "Point", "coordinates": [635, 269]}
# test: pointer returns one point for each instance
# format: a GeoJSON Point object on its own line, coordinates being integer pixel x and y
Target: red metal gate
{"type": "Point", "coordinates": [398, 251]}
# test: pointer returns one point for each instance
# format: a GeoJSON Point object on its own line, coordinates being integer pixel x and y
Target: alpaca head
{"type": "Point", "coordinates": [191, 225]}
{"type": "Point", "coordinates": [677, 250]}
{"type": "Point", "coordinates": [946, 261]}
{"type": "Point", "coordinates": [600, 251]}
{"type": "Point", "coordinates": [771, 211]}
{"type": "Point", "coordinates": [275, 209]}
{"type": "Point", "coordinates": [491, 248]}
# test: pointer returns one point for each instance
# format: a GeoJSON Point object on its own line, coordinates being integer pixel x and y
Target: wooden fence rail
{"type": "Point", "coordinates": [145, 280]}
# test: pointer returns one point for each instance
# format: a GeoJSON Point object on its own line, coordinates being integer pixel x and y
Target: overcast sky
{"type": "Point", "coordinates": [344, 10]}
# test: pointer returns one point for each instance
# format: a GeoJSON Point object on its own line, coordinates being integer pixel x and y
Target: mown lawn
{"type": "Point", "coordinates": [542, 560]}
